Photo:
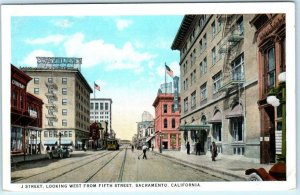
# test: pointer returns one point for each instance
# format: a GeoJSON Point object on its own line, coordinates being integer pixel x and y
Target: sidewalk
{"type": "Point", "coordinates": [233, 166]}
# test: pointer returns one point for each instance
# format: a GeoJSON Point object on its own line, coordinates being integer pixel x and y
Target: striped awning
{"type": "Point", "coordinates": [50, 142]}
{"type": "Point", "coordinates": [66, 142]}
{"type": "Point", "coordinates": [193, 127]}
{"type": "Point", "coordinates": [217, 118]}
{"type": "Point", "coordinates": [149, 138]}
{"type": "Point", "coordinates": [237, 111]}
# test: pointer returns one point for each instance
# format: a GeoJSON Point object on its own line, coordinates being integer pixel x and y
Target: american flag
{"type": "Point", "coordinates": [97, 87]}
{"type": "Point", "coordinates": [169, 71]}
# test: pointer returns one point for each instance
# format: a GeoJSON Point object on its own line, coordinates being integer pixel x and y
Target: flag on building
{"type": "Point", "coordinates": [97, 87]}
{"type": "Point", "coordinates": [169, 71]}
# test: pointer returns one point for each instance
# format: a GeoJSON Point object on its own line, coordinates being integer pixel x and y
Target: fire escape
{"type": "Point", "coordinates": [52, 98]}
{"type": "Point", "coordinates": [232, 35]}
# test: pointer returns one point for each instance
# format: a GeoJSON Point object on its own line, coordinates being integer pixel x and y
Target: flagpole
{"type": "Point", "coordinates": [165, 79]}
{"type": "Point", "coordinates": [94, 91]}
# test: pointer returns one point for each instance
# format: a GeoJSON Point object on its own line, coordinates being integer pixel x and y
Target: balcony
{"type": "Point", "coordinates": [231, 41]}
{"type": "Point", "coordinates": [51, 84]}
{"type": "Point", "coordinates": [232, 81]}
{"type": "Point", "coordinates": [51, 116]}
{"type": "Point", "coordinates": [51, 95]}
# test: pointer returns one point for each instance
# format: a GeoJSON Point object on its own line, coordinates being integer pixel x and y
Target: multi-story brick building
{"type": "Point", "coordinates": [271, 43]}
{"type": "Point", "coordinates": [166, 122]}
{"type": "Point", "coordinates": [66, 94]}
{"type": "Point", "coordinates": [26, 116]}
{"type": "Point", "coordinates": [219, 90]}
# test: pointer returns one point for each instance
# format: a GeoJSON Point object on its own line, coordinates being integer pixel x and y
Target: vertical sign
{"type": "Point", "coordinates": [176, 93]}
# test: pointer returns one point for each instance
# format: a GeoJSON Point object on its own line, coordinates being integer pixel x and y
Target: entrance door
{"type": "Point", "coordinates": [165, 145]}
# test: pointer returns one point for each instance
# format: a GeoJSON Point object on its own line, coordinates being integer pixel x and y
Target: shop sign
{"type": "Point", "coordinates": [33, 113]}
{"type": "Point", "coordinates": [16, 83]}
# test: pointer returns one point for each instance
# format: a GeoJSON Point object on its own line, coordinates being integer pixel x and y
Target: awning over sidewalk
{"type": "Point", "coordinates": [193, 127]}
{"type": "Point", "coordinates": [50, 142]}
{"type": "Point", "coordinates": [66, 142]}
{"type": "Point", "coordinates": [237, 111]}
{"type": "Point", "coordinates": [217, 118]}
{"type": "Point", "coordinates": [149, 138]}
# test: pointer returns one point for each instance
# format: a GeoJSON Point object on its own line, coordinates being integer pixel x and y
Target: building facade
{"type": "Point", "coordinates": [219, 90]}
{"type": "Point", "coordinates": [26, 116]}
{"type": "Point", "coordinates": [271, 43]}
{"type": "Point", "coordinates": [101, 111]}
{"type": "Point", "coordinates": [66, 93]}
{"type": "Point", "coordinates": [166, 122]}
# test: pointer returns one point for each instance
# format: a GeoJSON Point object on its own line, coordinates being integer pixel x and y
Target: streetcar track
{"type": "Point", "coordinates": [122, 167]}
{"type": "Point", "coordinates": [24, 178]}
{"type": "Point", "coordinates": [90, 177]}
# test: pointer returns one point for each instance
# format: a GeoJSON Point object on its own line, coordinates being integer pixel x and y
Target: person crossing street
{"type": "Point", "coordinates": [144, 148]}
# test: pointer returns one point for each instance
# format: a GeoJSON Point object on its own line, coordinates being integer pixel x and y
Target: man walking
{"type": "Point", "coordinates": [188, 147]}
{"type": "Point", "coordinates": [198, 148]}
{"type": "Point", "coordinates": [144, 148]}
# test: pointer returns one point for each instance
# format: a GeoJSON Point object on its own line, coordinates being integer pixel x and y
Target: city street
{"type": "Point", "coordinates": [109, 166]}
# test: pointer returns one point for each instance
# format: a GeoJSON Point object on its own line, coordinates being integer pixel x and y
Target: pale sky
{"type": "Point", "coordinates": [125, 55]}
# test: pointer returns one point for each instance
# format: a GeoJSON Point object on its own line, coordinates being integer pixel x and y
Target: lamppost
{"type": "Point", "coordinates": [277, 96]}
{"type": "Point", "coordinates": [160, 142]}
{"type": "Point", "coordinates": [59, 139]}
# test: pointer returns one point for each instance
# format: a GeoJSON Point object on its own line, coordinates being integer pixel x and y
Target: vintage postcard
{"type": "Point", "coordinates": [148, 97]}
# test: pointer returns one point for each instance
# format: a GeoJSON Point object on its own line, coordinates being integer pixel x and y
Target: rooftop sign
{"type": "Point", "coordinates": [58, 62]}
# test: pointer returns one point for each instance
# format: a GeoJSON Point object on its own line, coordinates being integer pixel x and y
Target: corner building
{"type": "Point", "coordinates": [66, 96]}
{"type": "Point", "coordinates": [219, 84]}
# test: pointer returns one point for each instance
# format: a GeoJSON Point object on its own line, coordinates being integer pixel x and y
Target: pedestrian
{"type": "Point", "coordinates": [132, 148]}
{"type": "Point", "coordinates": [198, 148]}
{"type": "Point", "coordinates": [152, 146]}
{"type": "Point", "coordinates": [144, 148]}
{"type": "Point", "coordinates": [188, 147]}
{"type": "Point", "coordinates": [214, 151]}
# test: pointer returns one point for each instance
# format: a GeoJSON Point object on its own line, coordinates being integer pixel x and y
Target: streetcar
{"type": "Point", "coordinates": [112, 144]}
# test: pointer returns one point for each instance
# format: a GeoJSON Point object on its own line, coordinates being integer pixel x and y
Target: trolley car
{"type": "Point", "coordinates": [112, 144]}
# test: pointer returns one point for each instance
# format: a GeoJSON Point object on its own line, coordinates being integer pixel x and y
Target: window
{"type": "Point", "coordinates": [238, 68]}
{"type": "Point", "coordinates": [192, 76]}
{"type": "Point", "coordinates": [70, 133]}
{"type": "Point", "coordinates": [240, 26]}
{"type": "Point", "coordinates": [36, 90]}
{"type": "Point", "coordinates": [186, 104]}
{"type": "Point", "coordinates": [64, 101]}
{"type": "Point", "coordinates": [50, 80]}
{"type": "Point", "coordinates": [184, 87]}
{"type": "Point", "coordinates": [50, 133]}
{"type": "Point", "coordinates": [271, 67]}
{"type": "Point", "coordinates": [214, 57]}
{"type": "Point", "coordinates": [201, 46]}
{"type": "Point", "coordinates": [64, 111]}
{"type": "Point", "coordinates": [165, 123]}
{"type": "Point", "coordinates": [217, 131]}
{"type": "Point", "coordinates": [193, 100]}
{"type": "Point", "coordinates": [45, 133]}
{"type": "Point", "coordinates": [106, 106]}
{"type": "Point", "coordinates": [36, 80]}
{"type": "Point", "coordinates": [64, 122]}
{"type": "Point", "coordinates": [64, 91]}
{"type": "Point", "coordinates": [15, 99]}
{"type": "Point", "coordinates": [204, 41]}
{"type": "Point", "coordinates": [219, 27]}
{"type": "Point", "coordinates": [101, 106]}
{"type": "Point", "coordinates": [220, 55]}
{"type": "Point", "coordinates": [165, 108]}
{"type": "Point", "coordinates": [64, 81]}
{"type": "Point", "coordinates": [184, 70]}
{"type": "Point", "coordinates": [237, 129]}
{"type": "Point", "coordinates": [173, 123]}
{"type": "Point", "coordinates": [203, 92]}
{"type": "Point", "coordinates": [96, 106]}
{"type": "Point", "coordinates": [217, 82]}
{"type": "Point", "coordinates": [187, 83]}
{"type": "Point", "coordinates": [92, 106]}
{"type": "Point", "coordinates": [203, 67]}
{"type": "Point", "coordinates": [193, 57]}
{"type": "Point", "coordinates": [50, 123]}
{"type": "Point", "coordinates": [173, 108]}
{"type": "Point", "coordinates": [214, 30]}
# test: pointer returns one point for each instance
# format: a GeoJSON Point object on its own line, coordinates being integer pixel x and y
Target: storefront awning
{"type": "Point", "coordinates": [217, 118]}
{"type": "Point", "coordinates": [50, 142]}
{"type": "Point", "coordinates": [149, 138]}
{"type": "Point", "coordinates": [193, 127]}
{"type": "Point", "coordinates": [237, 111]}
{"type": "Point", "coordinates": [66, 142]}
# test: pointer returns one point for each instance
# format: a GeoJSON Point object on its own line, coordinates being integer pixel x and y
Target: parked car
{"type": "Point", "coordinates": [276, 173]}
{"type": "Point", "coordinates": [60, 152]}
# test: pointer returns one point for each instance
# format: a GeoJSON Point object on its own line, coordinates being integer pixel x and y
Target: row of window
{"type": "Point", "coordinates": [50, 90]}
{"type": "Point", "coordinates": [55, 133]}
{"type": "Point", "coordinates": [92, 113]}
{"type": "Point", "coordinates": [64, 81]}
{"type": "Point", "coordinates": [92, 117]}
{"type": "Point", "coordinates": [173, 123]}
{"type": "Point", "coordinates": [166, 108]}
{"type": "Point", "coordinates": [97, 106]}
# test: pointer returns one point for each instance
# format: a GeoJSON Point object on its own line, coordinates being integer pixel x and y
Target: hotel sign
{"type": "Point", "coordinates": [16, 83]}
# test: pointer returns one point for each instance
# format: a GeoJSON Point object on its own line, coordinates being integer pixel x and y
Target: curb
{"type": "Point", "coordinates": [204, 167]}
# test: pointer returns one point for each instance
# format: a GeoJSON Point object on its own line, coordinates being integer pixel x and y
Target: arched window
{"type": "Point", "coordinates": [173, 123]}
{"type": "Point", "coordinates": [203, 120]}
{"type": "Point", "coordinates": [165, 123]}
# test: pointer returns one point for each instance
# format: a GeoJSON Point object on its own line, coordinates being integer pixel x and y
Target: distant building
{"type": "Point", "coordinates": [101, 111]}
{"type": "Point", "coordinates": [66, 93]}
{"type": "Point", "coordinates": [146, 116]}
{"type": "Point", "coordinates": [26, 116]}
{"type": "Point", "coordinates": [166, 122]}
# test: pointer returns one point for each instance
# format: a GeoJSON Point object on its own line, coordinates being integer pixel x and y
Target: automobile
{"type": "Point", "coordinates": [276, 173]}
{"type": "Point", "coordinates": [60, 152]}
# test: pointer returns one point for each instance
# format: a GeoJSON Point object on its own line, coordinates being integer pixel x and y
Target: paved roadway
{"type": "Point", "coordinates": [109, 166]}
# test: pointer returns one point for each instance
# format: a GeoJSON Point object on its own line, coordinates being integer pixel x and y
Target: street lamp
{"type": "Point", "coordinates": [276, 96]}
{"type": "Point", "coordinates": [59, 139]}
{"type": "Point", "coordinates": [160, 142]}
